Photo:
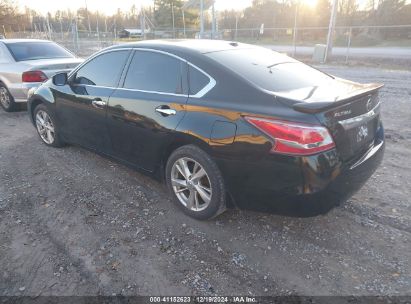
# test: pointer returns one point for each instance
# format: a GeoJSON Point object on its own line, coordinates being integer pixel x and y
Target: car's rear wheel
{"type": "Point", "coordinates": [6, 100]}
{"type": "Point", "coordinates": [195, 182]}
{"type": "Point", "coordinates": [46, 126]}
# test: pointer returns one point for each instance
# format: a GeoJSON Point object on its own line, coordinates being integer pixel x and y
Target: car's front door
{"type": "Point", "coordinates": [147, 107]}
{"type": "Point", "coordinates": [82, 104]}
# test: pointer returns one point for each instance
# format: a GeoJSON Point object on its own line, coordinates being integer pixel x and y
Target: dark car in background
{"type": "Point", "coordinates": [25, 64]}
{"type": "Point", "coordinates": [224, 123]}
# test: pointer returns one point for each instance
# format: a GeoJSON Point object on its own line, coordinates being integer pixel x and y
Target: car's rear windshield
{"type": "Point", "coordinates": [270, 70]}
{"type": "Point", "coordinates": [22, 51]}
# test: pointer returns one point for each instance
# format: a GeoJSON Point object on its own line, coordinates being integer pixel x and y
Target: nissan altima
{"type": "Point", "coordinates": [222, 123]}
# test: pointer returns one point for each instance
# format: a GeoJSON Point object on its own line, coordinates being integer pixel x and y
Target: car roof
{"type": "Point", "coordinates": [10, 41]}
{"type": "Point", "coordinates": [188, 45]}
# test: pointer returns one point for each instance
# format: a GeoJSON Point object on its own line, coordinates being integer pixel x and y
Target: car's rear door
{"type": "Point", "coordinates": [145, 110]}
{"type": "Point", "coordinates": [82, 104]}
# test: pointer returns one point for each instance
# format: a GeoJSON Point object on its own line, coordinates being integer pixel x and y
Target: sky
{"type": "Point", "coordinates": [110, 7]}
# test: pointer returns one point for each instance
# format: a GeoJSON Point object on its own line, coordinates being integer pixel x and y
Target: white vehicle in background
{"type": "Point", "coordinates": [26, 63]}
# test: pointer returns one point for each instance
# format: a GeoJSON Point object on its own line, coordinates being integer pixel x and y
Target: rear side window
{"type": "Point", "coordinates": [197, 80]}
{"type": "Point", "coordinates": [22, 51]}
{"type": "Point", "coordinates": [270, 70]}
{"type": "Point", "coordinates": [104, 70]}
{"type": "Point", "coordinates": [155, 72]}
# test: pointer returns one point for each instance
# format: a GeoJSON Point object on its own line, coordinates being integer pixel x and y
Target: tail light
{"type": "Point", "coordinates": [34, 76]}
{"type": "Point", "coordinates": [294, 138]}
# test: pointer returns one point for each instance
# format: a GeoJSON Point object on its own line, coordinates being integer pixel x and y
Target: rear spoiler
{"type": "Point", "coordinates": [317, 107]}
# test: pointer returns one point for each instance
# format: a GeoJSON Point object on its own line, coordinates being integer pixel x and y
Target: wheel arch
{"type": "Point", "coordinates": [3, 82]}
{"type": "Point", "coordinates": [34, 101]}
{"type": "Point", "coordinates": [179, 141]}
{"type": "Point", "coordinates": [6, 83]}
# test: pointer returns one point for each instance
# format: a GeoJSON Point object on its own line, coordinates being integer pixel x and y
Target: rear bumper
{"type": "Point", "coordinates": [323, 182]}
{"type": "Point", "coordinates": [21, 93]}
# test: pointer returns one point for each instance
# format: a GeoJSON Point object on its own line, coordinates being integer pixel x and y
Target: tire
{"type": "Point", "coordinates": [6, 100]}
{"type": "Point", "coordinates": [45, 121]}
{"type": "Point", "coordinates": [205, 195]}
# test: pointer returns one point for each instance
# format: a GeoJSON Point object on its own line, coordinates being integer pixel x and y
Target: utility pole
{"type": "Point", "coordinates": [236, 27]}
{"type": "Point", "coordinates": [88, 18]}
{"type": "Point", "coordinates": [295, 29]}
{"type": "Point", "coordinates": [172, 15]}
{"type": "Point", "coordinates": [98, 31]}
{"type": "Point", "coordinates": [74, 30]}
{"type": "Point", "coordinates": [48, 25]}
{"type": "Point", "coordinates": [333, 17]}
{"type": "Point", "coordinates": [201, 19]}
{"type": "Point", "coordinates": [61, 27]}
{"type": "Point", "coordinates": [115, 28]}
{"type": "Point", "coordinates": [184, 24]}
{"type": "Point", "coordinates": [213, 31]}
{"type": "Point", "coordinates": [143, 23]}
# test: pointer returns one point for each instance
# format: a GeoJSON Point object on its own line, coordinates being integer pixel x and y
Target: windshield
{"type": "Point", "coordinates": [270, 70]}
{"type": "Point", "coordinates": [22, 51]}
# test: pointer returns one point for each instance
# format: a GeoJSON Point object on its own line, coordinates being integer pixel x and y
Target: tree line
{"type": "Point", "coordinates": [166, 14]}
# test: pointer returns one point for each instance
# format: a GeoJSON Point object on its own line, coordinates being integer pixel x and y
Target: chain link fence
{"type": "Point", "coordinates": [350, 42]}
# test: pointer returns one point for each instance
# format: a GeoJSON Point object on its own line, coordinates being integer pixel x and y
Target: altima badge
{"type": "Point", "coordinates": [342, 113]}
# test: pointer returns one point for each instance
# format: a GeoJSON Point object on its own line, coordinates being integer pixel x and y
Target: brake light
{"type": "Point", "coordinates": [34, 76]}
{"type": "Point", "coordinates": [294, 138]}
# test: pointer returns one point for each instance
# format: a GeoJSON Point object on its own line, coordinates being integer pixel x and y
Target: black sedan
{"type": "Point", "coordinates": [223, 123]}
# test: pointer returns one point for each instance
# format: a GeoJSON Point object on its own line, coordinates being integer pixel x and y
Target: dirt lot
{"type": "Point", "coordinates": [74, 223]}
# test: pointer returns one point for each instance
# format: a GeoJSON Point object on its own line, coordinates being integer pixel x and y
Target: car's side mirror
{"type": "Point", "coordinates": [60, 79]}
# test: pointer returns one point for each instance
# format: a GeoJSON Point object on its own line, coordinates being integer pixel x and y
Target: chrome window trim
{"type": "Point", "coordinates": [211, 84]}
{"type": "Point", "coordinates": [133, 90]}
{"type": "Point", "coordinates": [92, 57]}
{"type": "Point", "coordinates": [152, 92]}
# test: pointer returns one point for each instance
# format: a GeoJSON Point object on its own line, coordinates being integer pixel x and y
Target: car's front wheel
{"type": "Point", "coordinates": [6, 100]}
{"type": "Point", "coordinates": [46, 126]}
{"type": "Point", "coordinates": [196, 183]}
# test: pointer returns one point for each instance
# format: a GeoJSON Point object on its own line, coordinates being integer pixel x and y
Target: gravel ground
{"type": "Point", "coordinates": [75, 223]}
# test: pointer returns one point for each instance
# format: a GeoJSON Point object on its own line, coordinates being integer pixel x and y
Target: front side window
{"type": "Point", "coordinates": [22, 51]}
{"type": "Point", "coordinates": [155, 72]}
{"type": "Point", "coordinates": [103, 70]}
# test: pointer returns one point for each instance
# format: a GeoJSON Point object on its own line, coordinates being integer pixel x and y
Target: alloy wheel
{"type": "Point", "coordinates": [45, 127]}
{"type": "Point", "coordinates": [4, 97]}
{"type": "Point", "coordinates": [191, 184]}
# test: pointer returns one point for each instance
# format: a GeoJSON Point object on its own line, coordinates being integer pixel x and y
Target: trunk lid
{"type": "Point", "coordinates": [52, 66]}
{"type": "Point", "coordinates": [351, 112]}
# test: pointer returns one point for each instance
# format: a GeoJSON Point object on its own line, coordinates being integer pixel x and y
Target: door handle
{"type": "Point", "coordinates": [98, 103]}
{"type": "Point", "coordinates": [166, 111]}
